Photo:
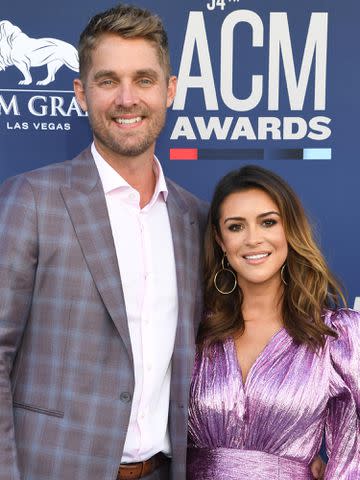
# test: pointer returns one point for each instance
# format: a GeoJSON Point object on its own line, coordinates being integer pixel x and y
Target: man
{"type": "Point", "coordinates": [100, 289]}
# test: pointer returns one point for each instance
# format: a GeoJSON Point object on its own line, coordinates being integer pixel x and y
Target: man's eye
{"type": "Point", "coordinates": [107, 82]}
{"type": "Point", "coordinates": [145, 81]}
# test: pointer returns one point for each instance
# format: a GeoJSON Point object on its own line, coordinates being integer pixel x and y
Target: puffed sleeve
{"type": "Point", "coordinates": [343, 419]}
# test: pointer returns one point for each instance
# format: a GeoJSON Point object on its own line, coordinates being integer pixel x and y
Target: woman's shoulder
{"type": "Point", "coordinates": [345, 349]}
{"type": "Point", "coordinates": [214, 350]}
{"type": "Point", "coordinates": [344, 321]}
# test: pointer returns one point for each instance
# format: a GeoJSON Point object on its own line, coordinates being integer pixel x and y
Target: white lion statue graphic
{"type": "Point", "coordinates": [18, 49]}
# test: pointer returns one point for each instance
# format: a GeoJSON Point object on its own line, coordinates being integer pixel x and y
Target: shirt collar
{"type": "Point", "coordinates": [112, 180]}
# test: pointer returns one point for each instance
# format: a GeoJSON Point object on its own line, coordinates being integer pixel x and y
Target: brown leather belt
{"type": "Point", "coordinates": [134, 471]}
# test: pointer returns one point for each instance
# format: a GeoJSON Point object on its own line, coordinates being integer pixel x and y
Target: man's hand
{"type": "Point", "coordinates": [318, 468]}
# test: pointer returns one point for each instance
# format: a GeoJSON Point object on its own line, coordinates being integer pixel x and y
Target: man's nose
{"type": "Point", "coordinates": [126, 95]}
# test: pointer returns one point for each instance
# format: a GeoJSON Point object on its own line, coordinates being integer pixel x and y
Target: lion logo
{"type": "Point", "coordinates": [18, 49]}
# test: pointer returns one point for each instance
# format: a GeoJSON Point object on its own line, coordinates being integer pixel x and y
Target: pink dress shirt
{"type": "Point", "coordinates": [145, 254]}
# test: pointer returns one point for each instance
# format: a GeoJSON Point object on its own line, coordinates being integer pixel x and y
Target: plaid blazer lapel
{"type": "Point", "coordinates": [185, 217]}
{"type": "Point", "coordinates": [86, 205]}
{"type": "Point", "coordinates": [185, 234]}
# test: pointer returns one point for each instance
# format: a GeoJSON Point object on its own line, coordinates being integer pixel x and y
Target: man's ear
{"type": "Point", "coordinates": [171, 90]}
{"type": "Point", "coordinates": [79, 89]}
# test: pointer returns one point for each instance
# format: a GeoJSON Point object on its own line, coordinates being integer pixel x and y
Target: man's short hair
{"type": "Point", "coordinates": [127, 21]}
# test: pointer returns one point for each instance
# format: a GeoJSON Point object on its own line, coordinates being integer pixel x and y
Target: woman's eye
{"type": "Point", "coordinates": [236, 227]}
{"type": "Point", "coordinates": [269, 222]}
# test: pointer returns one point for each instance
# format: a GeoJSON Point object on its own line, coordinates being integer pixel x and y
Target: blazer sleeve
{"type": "Point", "coordinates": [343, 421]}
{"type": "Point", "coordinates": [18, 260]}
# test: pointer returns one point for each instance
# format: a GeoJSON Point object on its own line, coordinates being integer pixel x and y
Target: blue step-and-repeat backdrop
{"type": "Point", "coordinates": [272, 82]}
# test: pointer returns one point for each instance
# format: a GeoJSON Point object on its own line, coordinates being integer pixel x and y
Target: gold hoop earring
{"type": "Point", "coordinates": [282, 274]}
{"type": "Point", "coordinates": [224, 269]}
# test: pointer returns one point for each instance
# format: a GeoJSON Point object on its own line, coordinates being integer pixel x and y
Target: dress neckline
{"type": "Point", "coordinates": [273, 340]}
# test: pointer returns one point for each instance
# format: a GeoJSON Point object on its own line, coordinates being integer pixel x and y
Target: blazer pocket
{"type": "Point", "coordinates": [34, 408]}
{"type": "Point", "coordinates": [37, 377]}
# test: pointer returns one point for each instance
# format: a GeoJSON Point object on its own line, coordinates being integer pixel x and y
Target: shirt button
{"type": "Point", "coordinates": [125, 397]}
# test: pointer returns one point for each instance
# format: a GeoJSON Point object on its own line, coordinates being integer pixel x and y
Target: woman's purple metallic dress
{"type": "Point", "coordinates": [271, 427]}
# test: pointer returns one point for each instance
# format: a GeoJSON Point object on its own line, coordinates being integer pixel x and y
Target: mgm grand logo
{"type": "Point", "coordinates": [25, 53]}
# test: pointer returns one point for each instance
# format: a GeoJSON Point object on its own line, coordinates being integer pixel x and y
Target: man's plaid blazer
{"type": "Point", "coordinates": [66, 366]}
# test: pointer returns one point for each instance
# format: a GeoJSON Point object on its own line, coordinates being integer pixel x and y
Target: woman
{"type": "Point", "coordinates": [278, 362]}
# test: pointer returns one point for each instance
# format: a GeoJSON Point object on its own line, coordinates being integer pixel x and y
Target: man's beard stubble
{"type": "Point", "coordinates": [119, 145]}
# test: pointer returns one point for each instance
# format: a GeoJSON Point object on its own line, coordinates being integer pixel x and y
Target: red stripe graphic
{"type": "Point", "coordinates": [183, 153]}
